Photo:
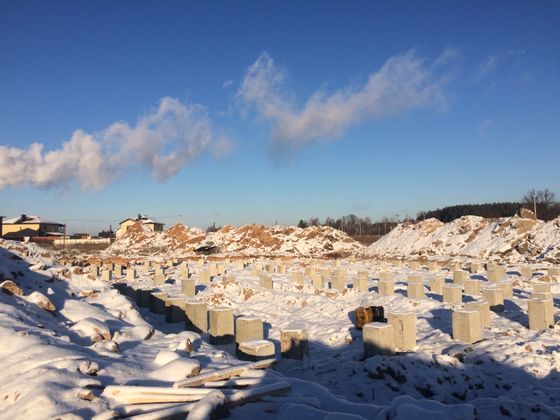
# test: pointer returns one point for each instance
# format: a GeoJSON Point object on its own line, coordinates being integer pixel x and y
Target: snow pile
{"type": "Point", "coordinates": [248, 240]}
{"type": "Point", "coordinates": [511, 239]}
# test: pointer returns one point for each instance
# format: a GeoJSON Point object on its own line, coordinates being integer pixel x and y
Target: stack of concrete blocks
{"type": "Point", "coordinates": [204, 277]}
{"type": "Point", "coordinates": [466, 326]}
{"type": "Point", "coordinates": [196, 316]}
{"type": "Point", "coordinates": [188, 287]}
{"type": "Point", "coordinates": [415, 287]}
{"type": "Point", "coordinates": [378, 339]}
{"type": "Point", "coordinates": [249, 341]}
{"type": "Point", "coordinates": [453, 294]}
{"type": "Point", "coordinates": [157, 302]}
{"type": "Point", "coordinates": [483, 309]}
{"type": "Point", "coordinates": [159, 276]}
{"type": "Point", "coordinates": [459, 276]}
{"type": "Point", "coordinates": [294, 343]}
{"type": "Point", "coordinates": [175, 309]}
{"type": "Point", "coordinates": [297, 278]}
{"type": "Point", "coordinates": [541, 311]}
{"type": "Point", "coordinates": [107, 275]}
{"type": "Point", "coordinates": [317, 280]}
{"type": "Point", "coordinates": [130, 274]}
{"type": "Point", "coordinates": [266, 281]}
{"type": "Point", "coordinates": [495, 298]}
{"type": "Point", "coordinates": [436, 285]}
{"type": "Point", "coordinates": [404, 330]}
{"type": "Point", "coordinates": [221, 325]}
{"type": "Point", "coordinates": [472, 287]}
{"type": "Point", "coordinates": [507, 288]}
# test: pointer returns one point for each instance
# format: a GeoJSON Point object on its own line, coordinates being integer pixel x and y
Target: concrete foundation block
{"type": "Point", "coordinates": [317, 280]}
{"type": "Point", "coordinates": [204, 277]}
{"type": "Point", "coordinates": [294, 343]}
{"type": "Point", "coordinates": [363, 274]}
{"type": "Point", "coordinates": [248, 328]}
{"type": "Point", "coordinates": [414, 279]}
{"type": "Point", "coordinates": [117, 271]}
{"type": "Point", "coordinates": [338, 282]}
{"type": "Point", "coordinates": [146, 268]}
{"type": "Point", "coordinates": [542, 295]}
{"type": "Point", "coordinates": [266, 282]}
{"type": "Point", "coordinates": [415, 291]}
{"type": "Point", "coordinates": [386, 276]}
{"type": "Point", "coordinates": [433, 266]}
{"type": "Point", "coordinates": [472, 287]}
{"type": "Point", "coordinates": [415, 265]}
{"type": "Point", "coordinates": [553, 271]}
{"type": "Point", "coordinates": [541, 287]}
{"type": "Point", "coordinates": [157, 302]}
{"type": "Point", "coordinates": [436, 285]}
{"type": "Point", "coordinates": [175, 309]}
{"type": "Point", "coordinates": [107, 275]}
{"type": "Point", "coordinates": [541, 313]}
{"type": "Point", "coordinates": [254, 350]}
{"type": "Point", "coordinates": [378, 339]}
{"type": "Point", "coordinates": [475, 268]}
{"type": "Point", "coordinates": [495, 298]}
{"type": "Point", "coordinates": [507, 288]}
{"type": "Point", "coordinates": [95, 270]}
{"type": "Point", "coordinates": [159, 279]}
{"type": "Point", "coordinates": [386, 287]}
{"type": "Point", "coordinates": [453, 294]}
{"type": "Point", "coordinates": [297, 278]}
{"type": "Point", "coordinates": [361, 284]}
{"type": "Point", "coordinates": [143, 297]}
{"type": "Point", "coordinates": [130, 274]}
{"type": "Point", "coordinates": [495, 274]}
{"type": "Point", "coordinates": [196, 316]}
{"type": "Point", "coordinates": [483, 309]}
{"type": "Point", "coordinates": [188, 287]}
{"type": "Point", "coordinates": [459, 276]}
{"type": "Point", "coordinates": [269, 268]}
{"type": "Point", "coordinates": [466, 325]}
{"type": "Point", "coordinates": [404, 329]}
{"type": "Point", "coordinates": [526, 272]}
{"type": "Point", "coordinates": [221, 326]}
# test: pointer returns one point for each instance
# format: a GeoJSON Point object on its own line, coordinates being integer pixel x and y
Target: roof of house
{"type": "Point", "coordinates": [142, 219]}
{"type": "Point", "coordinates": [24, 219]}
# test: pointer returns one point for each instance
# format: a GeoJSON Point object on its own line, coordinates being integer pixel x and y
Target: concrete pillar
{"type": "Point", "coordinates": [363, 274]}
{"type": "Point", "coordinates": [258, 266]}
{"type": "Point", "coordinates": [184, 270]}
{"type": "Point", "coordinates": [254, 350]}
{"type": "Point", "coordinates": [433, 266]}
{"type": "Point", "coordinates": [221, 269]}
{"type": "Point", "coordinates": [298, 278]}
{"type": "Point", "coordinates": [221, 325]}
{"type": "Point", "coordinates": [472, 287]}
{"type": "Point", "coordinates": [360, 284]}
{"type": "Point", "coordinates": [157, 302]}
{"type": "Point", "coordinates": [266, 281]}
{"type": "Point", "coordinates": [146, 267]}
{"type": "Point", "coordinates": [338, 282]}
{"type": "Point", "coordinates": [459, 276]}
{"type": "Point", "coordinates": [118, 270]}
{"type": "Point", "coordinates": [385, 287]}
{"type": "Point", "coordinates": [414, 265]}
{"type": "Point", "coordinates": [453, 294]}
{"type": "Point", "coordinates": [540, 287]}
{"type": "Point", "coordinates": [294, 342]}
{"type": "Point", "coordinates": [204, 277]}
{"type": "Point", "coordinates": [466, 325]}
{"type": "Point", "coordinates": [143, 297]}
{"type": "Point", "coordinates": [475, 268]}
{"type": "Point", "coordinates": [415, 290]}
{"type": "Point", "coordinates": [248, 328]}
{"type": "Point", "coordinates": [317, 280]}
{"type": "Point", "coordinates": [107, 275]}
{"type": "Point", "coordinates": [159, 278]}
{"type": "Point", "coordinates": [175, 309]}
{"type": "Point", "coordinates": [507, 288]}
{"type": "Point", "coordinates": [213, 268]}
{"type": "Point", "coordinates": [378, 339]}
{"type": "Point", "coordinates": [495, 273]}
{"type": "Point", "coordinates": [404, 329]}
{"type": "Point", "coordinates": [495, 298]}
{"type": "Point", "coordinates": [269, 268]}
{"type": "Point", "coordinates": [386, 276]}
{"type": "Point", "coordinates": [188, 287]}
{"type": "Point", "coordinates": [553, 271]}
{"type": "Point", "coordinates": [526, 272]}
{"type": "Point", "coordinates": [436, 285]}
{"type": "Point", "coordinates": [130, 274]}
{"type": "Point", "coordinates": [541, 313]}
{"type": "Point", "coordinates": [197, 316]}
{"type": "Point", "coordinates": [95, 270]}
{"type": "Point", "coordinates": [483, 309]}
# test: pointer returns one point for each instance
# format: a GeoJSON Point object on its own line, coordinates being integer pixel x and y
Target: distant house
{"type": "Point", "coordinates": [145, 220]}
{"type": "Point", "coordinates": [19, 227]}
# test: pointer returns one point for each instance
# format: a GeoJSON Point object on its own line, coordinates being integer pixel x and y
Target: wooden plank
{"type": "Point", "coordinates": [221, 374]}
{"type": "Point", "coordinates": [150, 395]}
{"type": "Point", "coordinates": [255, 394]}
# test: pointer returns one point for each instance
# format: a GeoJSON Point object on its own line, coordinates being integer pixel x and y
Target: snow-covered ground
{"type": "Point", "coordinates": [51, 367]}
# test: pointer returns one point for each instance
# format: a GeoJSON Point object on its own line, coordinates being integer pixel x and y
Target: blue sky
{"type": "Point", "coordinates": [264, 112]}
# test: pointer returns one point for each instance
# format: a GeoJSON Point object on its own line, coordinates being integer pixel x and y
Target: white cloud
{"type": "Point", "coordinates": [403, 83]}
{"type": "Point", "coordinates": [164, 141]}
{"type": "Point", "coordinates": [492, 62]}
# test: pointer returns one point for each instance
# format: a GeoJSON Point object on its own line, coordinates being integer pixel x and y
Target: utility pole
{"type": "Point", "coordinates": [535, 204]}
{"type": "Point", "coordinates": [64, 236]}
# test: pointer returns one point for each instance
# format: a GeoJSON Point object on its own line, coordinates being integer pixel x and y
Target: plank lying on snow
{"type": "Point", "coordinates": [221, 374]}
{"type": "Point", "coordinates": [254, 394]}
{"type": "Point", "coordinates": [212, 406]}
{"type": "Point", "coordinates": [125, 394]}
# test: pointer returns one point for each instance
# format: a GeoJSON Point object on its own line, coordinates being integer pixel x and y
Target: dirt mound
{"type": "Point", "coordinates": [181, 237]}
{"type": "Point", "coordinates": [512, 239]}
